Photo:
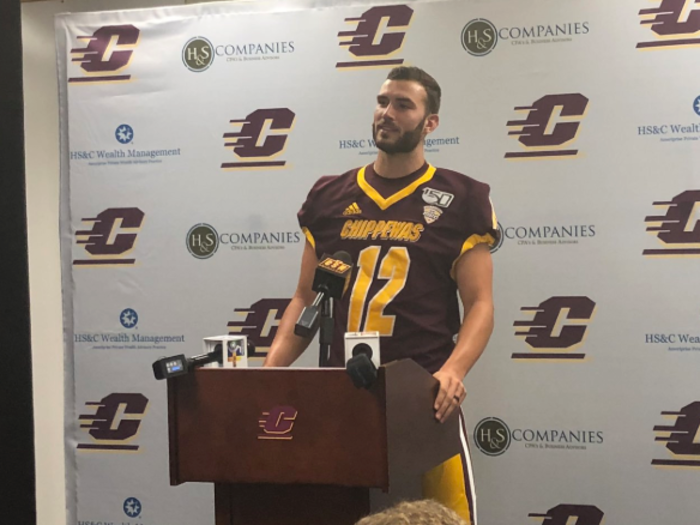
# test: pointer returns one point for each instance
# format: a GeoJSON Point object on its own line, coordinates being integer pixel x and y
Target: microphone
{"type": "Point", "coordinates": [360, 368]}
{"type": "Point", "coordinates": [167, 367]}
{"type": "Point", "coordinates": [331, 279]}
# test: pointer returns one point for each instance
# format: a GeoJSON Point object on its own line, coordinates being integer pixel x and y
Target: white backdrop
{"type": "Point", "coordinates": [595, 351]}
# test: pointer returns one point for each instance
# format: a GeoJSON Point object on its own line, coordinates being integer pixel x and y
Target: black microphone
{"type": "Point", "coordinates": [178, 365]}
{"type": "Point", "coordinates": [167, 367]}
{"type": "Point", "coordinates": [360, 367]}
{"type": "Point", "coordinates": [330, 282]}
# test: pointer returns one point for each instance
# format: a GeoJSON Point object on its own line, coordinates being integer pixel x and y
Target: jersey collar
{"type": "Point", "coordinates": [396, 197]}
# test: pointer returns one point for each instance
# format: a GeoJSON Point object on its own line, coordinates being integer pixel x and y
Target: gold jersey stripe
{"type": "Point", "coordinates": [396, 197]}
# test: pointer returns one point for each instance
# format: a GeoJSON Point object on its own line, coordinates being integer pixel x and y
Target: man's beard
{"type": "Point", "coordinates": [406, 143]}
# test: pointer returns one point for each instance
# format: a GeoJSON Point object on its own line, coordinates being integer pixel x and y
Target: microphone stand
{"type": "Point", "coordinates": [326, 332]}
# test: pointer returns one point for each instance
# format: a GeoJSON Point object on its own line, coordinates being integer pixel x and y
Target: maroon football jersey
{"type": "Point", "coordinates": [404, 237]}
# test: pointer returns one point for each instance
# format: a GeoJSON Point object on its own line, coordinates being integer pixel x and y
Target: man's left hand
{"type": "Point", "coordinates": [451, 394]}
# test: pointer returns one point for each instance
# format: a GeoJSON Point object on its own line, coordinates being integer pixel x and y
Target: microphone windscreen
{"type": "Point", "coordinates": [343, 256]}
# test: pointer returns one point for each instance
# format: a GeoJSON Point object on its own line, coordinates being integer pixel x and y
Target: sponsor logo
{"type": "Point", "coordinates": [682, 439]}
{"type": "Point", "coordinates": [369, 147]}
{"type": "Point", "coordinates": [131, 340]}
{"type": "Point", "coordinates": [132, 507]}
{"type": "Point", "coordinates": [547, 234]}
{"type": "Point", "coordinates": [479, 36]}
{"type": "Point", "coordinates": [678, 230]}
{"type": "Point", "coordinates": [673, 24]}
{"type": "Point", "coordinates": [353, 209]}
{"type": "Point", "coordinates": [115, 424]}
{"type": "Point", "coordinates": [259, 323]}
{"type": "Point", "coordinates": [107, 55]}
{"type": "Point", "coordinates": [674, 342]}
{"type": "Point", "coordinates": [431, 213]}
{"type": "Point", "coordinates": [379, 35]}
{"type": "Point", "coordinates": [278, 423]}
{"type": "Point", "coordinates": [124, 134]}
{"type": "Point", "coordinates": [493, 437]}
{"type": "Point", "coordinates": [254, 51]}
{"type": "Point", "coordinates": [198, 54]}
{"type": "Point", "coordinates": [262, 138]}
{"type": "Point", "coordinates": [559, 326]}
{"type": "Point", "coordinates": [551, 127]}
{"type": "Point", "coordinates": [129, 318]}
{"type": "Point", "coordinates": [673, 132]}
{"type": "Point", "coordinates": [112, 237]}
{"type": "Point", "coordinates": [565, 514]}
{"type": "Point", "coordinates": [203, 240]}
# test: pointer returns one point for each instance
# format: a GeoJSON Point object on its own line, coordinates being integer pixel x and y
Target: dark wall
{"type": "Point", "coordinates": [17, 477]}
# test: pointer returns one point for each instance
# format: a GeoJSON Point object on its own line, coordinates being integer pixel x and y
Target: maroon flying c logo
{"type": "Point", "coordinates": [562, 514]}
{"type": "Point", "coordinates": [544, 134]}
{"type": "Point", "coordinates": [675, 23]}
{"type": "Point", "coordinates": [263, 136]}
{"type": "Point", "coordinates": [115, 422]}
{"type": "Point", "coordinates": [259, 323]}
{"type": "Point", "coordinates": [549, 318]}
{"type": "Point", "coordinates": [109, 51]}
{"type": "Point", "coordinates": [679, 229]}
{"type": "Point", "coordinates": [682, 439]}
{"type": "Point", "coordinates": [278, 423]}
{"type": "Point", "coordinates": [380, 33]}
{"type": "Point", "coordinates": [104, 242]}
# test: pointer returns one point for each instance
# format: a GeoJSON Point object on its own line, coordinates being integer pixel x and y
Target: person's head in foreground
{"type": "Point", "coordinates": [423, 512]}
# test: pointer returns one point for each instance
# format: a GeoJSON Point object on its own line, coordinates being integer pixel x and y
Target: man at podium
{"type": "Point", "coordinates": [419, 237]}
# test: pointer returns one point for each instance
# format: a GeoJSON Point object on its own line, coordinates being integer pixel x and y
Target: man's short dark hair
{"type": "Point", "coordinates": [416, 74]}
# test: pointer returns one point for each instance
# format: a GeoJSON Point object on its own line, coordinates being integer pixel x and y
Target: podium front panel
{"type": "Point", "coordinates": [284, 426]}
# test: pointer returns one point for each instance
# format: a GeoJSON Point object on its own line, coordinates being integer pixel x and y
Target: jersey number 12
{"type": "Point", "coordinates": [394, 269]}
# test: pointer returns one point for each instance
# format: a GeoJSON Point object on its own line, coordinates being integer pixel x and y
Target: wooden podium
{"type": "Point", "coordinates": [304, 446]}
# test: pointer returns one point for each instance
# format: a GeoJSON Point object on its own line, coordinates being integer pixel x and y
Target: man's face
{"type": "Point", "coordinates": [400, 118]}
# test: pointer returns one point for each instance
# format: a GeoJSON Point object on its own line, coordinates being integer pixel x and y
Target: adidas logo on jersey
{"type": "Point", "coordinates": [353, 209]}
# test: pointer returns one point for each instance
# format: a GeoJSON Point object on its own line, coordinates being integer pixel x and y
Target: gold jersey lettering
{"type": "Point", "coordinates": [363, 229]}
{"type": "Point", "coordinates": [347, 228]}
{"type": "Point", "coordinates": [378, 229]}
{"type": "Point", "coordinates": [368, 229]}
{"type": "Point", "coordinates": [417, 230]}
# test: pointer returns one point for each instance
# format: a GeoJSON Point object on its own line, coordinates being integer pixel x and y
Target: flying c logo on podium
{"type": "Point", "coordinates": [278, 423]}
{"type": "Point", "coordinates": [108, 53]}
{"type": "Point", "coordinates": [112, 237]}
{"type": "Point", "coordinates": [551, 127]}
{"type": "Point", "coordinates": [678, 230]}
{"type": "Point", "coordinates": [379, 35]}
{"type": "Point", "coordinates": [682, 439]}
{"type": "Point", "coordinates": [558, 327]}
{"type": "Point", "coordinates": [115, 423]}
{"type": "Point", "coordinates": [262, 138]}
{"type": "Point", "coordinates": [565, 514]}
{"type": "Point", "coordinates": [672, 24]}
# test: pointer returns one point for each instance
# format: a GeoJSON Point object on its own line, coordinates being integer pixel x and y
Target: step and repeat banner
{"type": "Point", "coordinates": [190, 137]}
